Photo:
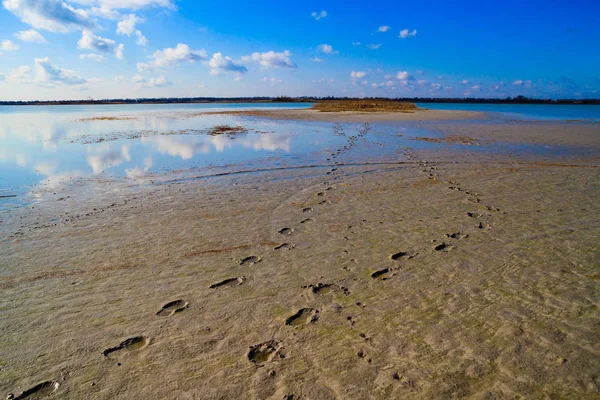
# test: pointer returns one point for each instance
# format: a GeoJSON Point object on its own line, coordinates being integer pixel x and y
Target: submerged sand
{"type": "Point", "coordinates": [444, 275]}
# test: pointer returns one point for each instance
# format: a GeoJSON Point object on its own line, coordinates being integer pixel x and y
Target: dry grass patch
{"type": "Point", "coordinates": [365, 106]}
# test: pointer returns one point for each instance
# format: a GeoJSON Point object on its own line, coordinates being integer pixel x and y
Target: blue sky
{"type": "Point", "coordinates": [72, 49]}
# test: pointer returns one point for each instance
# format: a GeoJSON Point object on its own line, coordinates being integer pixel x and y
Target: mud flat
{"type": "Point", "coordinates": [444, 275]}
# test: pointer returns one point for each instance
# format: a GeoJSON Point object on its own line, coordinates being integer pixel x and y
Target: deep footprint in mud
{"type": "Point", "coordinates": [304, 221]}
{"type": "Point", "coordinates": [250, 260]}
{"type": "Point", "coordinates": [127, 346]}
{"type": "Point", "coordinates": [229, 282]}
{"type": "Point", "coordinates": [307, 210]}
{"type": "Point", "coordinates": [172, 307]}
{"type": "Point", "coordinates": [303, 316]}
{"type": "Point", "coordinates": [39, 391]}
{"type": "Point", "coordinates": [399, 255]}
{"type": "Point", "coordinates": [443, 247]}
{"type": "Point", "coordinates": [263, 352]}
{"type": "Point", "coordinates": [285, 231]}
{"type": "Point", "coordinates": [321, 288]}
{"type": "Point", "coordinates": [382, 274]}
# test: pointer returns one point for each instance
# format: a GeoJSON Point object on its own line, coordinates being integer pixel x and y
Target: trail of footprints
{"type": "Point", "coordinates": [265, 352]}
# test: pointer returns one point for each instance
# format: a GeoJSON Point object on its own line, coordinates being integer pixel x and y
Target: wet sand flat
{"type": "Point", "coordinates": [355, 116]}
{"type": "Point", "coordinates": [445, 275]}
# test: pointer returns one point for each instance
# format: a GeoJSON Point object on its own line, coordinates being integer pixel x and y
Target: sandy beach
{"type": "Point", "coordinates": [445, 274]}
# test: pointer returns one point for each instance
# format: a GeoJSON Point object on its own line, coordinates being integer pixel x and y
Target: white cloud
{"type": "Point", "coordinates": [8, 45]}
{"type": "Point", "coordinates": [272, 59]}
{"type": "Point", "coordinates": [164, 58]}
{"type": "Point", "coordinates": [21, 74]}
{"type": "Point", "coordinates": [324, 80]}
{"type": "Point", "coordinates": [219, 65]}
{"type": "Point", "coordinates": [435, 86]}
{"type": "Point", "coordinates": [317, 60]}
{"type": "Point", "coordinates": [89, 41]}
{"type": "Point", "coordinates": [518, 82]}
{"type": "Point", "coordinates": [49, 73]}
{"type": "Point", "coordinates": [273, 81]}
{"type": "Point", "coordinates": [161, 81]}
{"type": "Point", "coordinates": [127, 27]}
{"type": "Point", "coordinates": [93, 57]}
{"type": "Point", "coordinates": [405, 33]}
{"type": "Point", "coordinates": [318, 15]}
{"type": "Point", "coordinates": [31, 36]}
{"type": "Point", "coordinates": [127, 4]}
{"type": "Point", "coordinates": [384, 28]}
{"type": "Point", "coordinates": [50, 15]}
{"type": "Point", "coordinates": [404, 76]}
{"type": "Point", "coordinates": [475, 87]}
{"type": "Point", "coordinates": [358, 74]}
{"type": "Point", "coordinates": [202, 86]}
{"type": "Point", "coordinates": [141, 39]}
{"type": "Point", "coordinates": [464, 82]}
{"type": "Point", "coordinates": [238, 79]}
{"type": "Point", "coordinates": [355, 43]}
{"type": "Point", "coordinates": [119, 51]}
{"type": "Point", "coordinates": [327, 49]}
{"type": "Point", "coordinates": [374, 46]}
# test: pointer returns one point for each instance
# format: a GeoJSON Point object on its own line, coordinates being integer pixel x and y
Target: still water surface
{"type": "Point", "coordinates": [46, 146]}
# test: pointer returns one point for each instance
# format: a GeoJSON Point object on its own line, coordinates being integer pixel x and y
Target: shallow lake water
{"type": "Point", "coordinates": [48, 147]}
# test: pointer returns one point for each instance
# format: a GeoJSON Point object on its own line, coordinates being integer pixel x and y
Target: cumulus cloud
{"type": "Point", "coordinates": [405, 33]}
{"type": "Point", "coordinates": [50, 15]}
{"type": "Point", "coordinates": [318, 15]}
{"type": "Point", "coordinates": [272, 59]}
{"type": "Point", "coordinates": [327, 49]}
{"type": "Point", "coordinates": [384, 28]}
{"type": "Point", "coordinates": [317, 60]}
{"type": "Point", "coordinates": [219, 65]}
{"type": "Point", "coordinates": [89, 41]}
{"type": "Point", "coordinates": [169, 56]}
{"type": "Point", "coordinates": [355, 43]}
{"type": "Point", "coordinates": [161, 81]}
{"type": "Point", "coordinates": [50, 73]}
{"type": "Point", "coordinates": [464, 82]}
{"type": "Point", "coordinates": [127, 27]}
{"type": "Point", "coordinates": [93, 57]}
{"type": "Point", "coordinates": [358, 74]}
{"type": "Point", "coordinates": [31, 36]}
{"type": "Point", "coordinates": [127, 4]}
{"type": "Point", "coordinates": [20, 75]}
{"type": "Point", "coordinates": [8, 45]}
{"type": "Point", "coordinates": [404, 76]}
{"type": "Point", "coordinates": [374, 46]}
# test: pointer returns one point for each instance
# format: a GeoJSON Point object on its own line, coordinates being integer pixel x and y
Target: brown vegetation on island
{"type": "Point", "coordinates": [226, 129]}
{"type": "Point", "coordinates": [365, 105]}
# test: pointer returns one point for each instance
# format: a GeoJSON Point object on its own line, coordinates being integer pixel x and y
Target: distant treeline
{"type": "Point", "coordinates": [284, 99]}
